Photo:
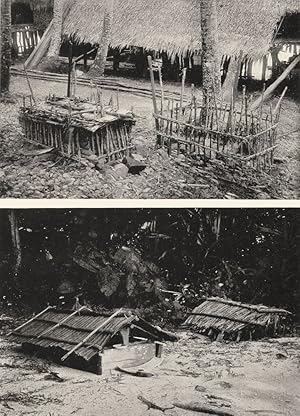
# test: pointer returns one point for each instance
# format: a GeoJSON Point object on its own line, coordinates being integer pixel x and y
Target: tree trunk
{"type": "Point", "coordinates": [57, 28]}
{"type": "Point", "coordinates": [230, 85]}
{"type": "Point", "coordinates": [276, 83]}
{"type": "Point", "coordinates": [98, 67]}
{"type": "Point", "coordinates": [5, 27]}
{"type": "Point", "coordinates": [264, 68]}
{"type": "Point", "coordinates": [249, 68]}
{"type": "Point", "coordinates": [275, 63]}
{"type": "Point", "coordinates": [16, 243]}
{"type": "Point", "coordinates": [211, 59]}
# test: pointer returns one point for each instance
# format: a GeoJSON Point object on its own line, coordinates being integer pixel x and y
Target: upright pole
{"type": "Point", "coordinates": [70, 68]}
{"type": "Point", "coordinates": [155, 108]}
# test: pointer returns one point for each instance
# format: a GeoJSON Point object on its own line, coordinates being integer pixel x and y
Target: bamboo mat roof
{"type": "Point", "coordinates": [45, 332]}
{"type": "Point", "coordinates": [228, 316]}
{"type": "Point", "coordinates": [174, 25]}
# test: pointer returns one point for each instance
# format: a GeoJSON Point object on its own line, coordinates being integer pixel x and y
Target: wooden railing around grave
{"type": "Point", "coordinates": [232, 132]}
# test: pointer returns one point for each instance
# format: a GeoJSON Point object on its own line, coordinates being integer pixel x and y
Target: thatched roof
{"type": "Point", "coordinates": [174, 25]}
{"type": "Point", "coordinates": [58, 329]}
{"type": "Point", "coordinates": [235, 319]}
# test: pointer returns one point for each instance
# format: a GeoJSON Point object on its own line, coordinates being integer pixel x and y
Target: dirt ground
{"type": "Point", "coordinates": [23, 176]}
{"type": "Point", "coordinates": [243, 379]}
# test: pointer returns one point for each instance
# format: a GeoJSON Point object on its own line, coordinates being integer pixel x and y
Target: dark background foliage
{"type": "Point", "coordinates": [135, 257]}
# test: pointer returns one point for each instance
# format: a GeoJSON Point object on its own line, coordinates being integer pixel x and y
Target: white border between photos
{"type": "Point", "coordinates": [145, 203]}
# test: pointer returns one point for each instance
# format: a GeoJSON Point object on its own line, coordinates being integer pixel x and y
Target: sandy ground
{"type": "Point", "coordinates": [164, 177]}
{"type": "Point", "coordinates": [244, 379]}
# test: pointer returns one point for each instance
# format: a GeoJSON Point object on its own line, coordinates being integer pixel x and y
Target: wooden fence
{"type": "Point", "coordinates": [228, 132]}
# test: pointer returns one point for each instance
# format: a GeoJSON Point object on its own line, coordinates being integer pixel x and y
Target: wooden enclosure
{"type": "Point", "coordinates": [228, 132]}
{"type": "Point", "coordinates": [78, 129]}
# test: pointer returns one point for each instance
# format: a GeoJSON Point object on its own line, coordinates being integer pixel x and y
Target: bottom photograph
{"type": "Point", "coordinates": [149, 311]}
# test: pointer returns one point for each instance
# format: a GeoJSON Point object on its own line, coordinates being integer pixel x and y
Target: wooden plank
{"type": "Point", "coordinates": [41, 49]}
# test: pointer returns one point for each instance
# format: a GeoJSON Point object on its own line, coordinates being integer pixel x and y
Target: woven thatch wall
{"type": "Point", "coordinates": [174, 25]}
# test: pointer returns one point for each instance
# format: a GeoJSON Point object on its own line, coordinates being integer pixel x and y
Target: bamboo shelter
{"type": "Point", "coordinates": [85, 130]}
{"type": "Point", "coordinates": [92, 341]}
{"type": "Point", "coordinates": [229, 320]}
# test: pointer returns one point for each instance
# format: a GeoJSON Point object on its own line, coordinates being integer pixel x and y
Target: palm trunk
{"type": "Point", "coordinates": [230, 85]}
{"type": "Point", "coordinates": [57, 28]}
{"type": "Point", "coordinates": [211, 59]}
{"type": "Point", "coordinates": [16, 243]}
{"type": "Point", "coordinates": [98, 67]}
{"type": "Point", "coordinates": [5, 27]}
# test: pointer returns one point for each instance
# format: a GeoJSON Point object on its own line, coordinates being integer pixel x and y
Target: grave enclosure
{"type": "Point", "coordinates": [231, 132]}
{"type": "Point", "coordinates": [78, 129]}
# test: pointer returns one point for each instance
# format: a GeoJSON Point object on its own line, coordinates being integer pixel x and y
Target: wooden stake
{"type": "Point", "coordinates": [161, 91]}
{"type": "Point", "coordinates": [280, 100]}
{"type": "Point", "coordinates": [182, 89]}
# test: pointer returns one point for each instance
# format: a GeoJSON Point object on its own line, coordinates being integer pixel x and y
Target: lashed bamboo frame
{"type": "Point", "coordinates": [111, 141]}
{"type": "Point", "coordinates": [238, 137]}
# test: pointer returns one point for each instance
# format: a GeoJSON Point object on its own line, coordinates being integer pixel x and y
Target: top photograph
{"type": "Point", "coordinates": [139, 99]}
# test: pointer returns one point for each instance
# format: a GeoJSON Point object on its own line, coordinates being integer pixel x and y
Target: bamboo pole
{"type": "Point", "coordinates": [280, 100]}
{"type": "Point", "coordinates": [276, 83]}
{"type": "Point", "coordinates": [29, 85]}
{"type": "Point", "coordinates": [182, 89]}
{"type": "Point", "coordinates": [61, 322]}
{"type": "Point", "coordinates": [152, 84]}
{"type": "Point", "coordinates": [161, 90]}
{"type": "Point", "coordinates": [30, 320]}
{"type": "Point", "coordinates": [91, 334]}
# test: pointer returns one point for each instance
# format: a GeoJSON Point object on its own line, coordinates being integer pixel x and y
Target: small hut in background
{"type": "Point", "coordinates": [226, 319]}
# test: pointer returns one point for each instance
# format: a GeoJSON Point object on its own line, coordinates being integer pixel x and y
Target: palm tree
{"type": "Point", "coordinates": [98, 67]}
{"type": "Point", "coordinates": [57, 28]}
{"type": "Point", "coordinates": [230, 85]}
{"type": "Point", "coordinates": [210, 53]}
{"type": "Point", "coordinates": [5, 44]}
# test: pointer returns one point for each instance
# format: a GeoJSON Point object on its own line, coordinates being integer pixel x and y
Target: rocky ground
{"type": "Point", "coordinates": [241, 379]}
{"type": "Point", "coordinates": [25, 175]}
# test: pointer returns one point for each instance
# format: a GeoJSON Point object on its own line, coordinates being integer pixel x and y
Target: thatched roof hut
{"type": "Point", "coordinates": [226, 319]}
{"type": "Point", "coordinates": [174, 25]}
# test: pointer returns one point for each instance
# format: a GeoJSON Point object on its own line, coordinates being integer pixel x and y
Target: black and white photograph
{"type": "Point", "coordinates": [172, 99]}
{"type": "Point", "coordinates": [149, 311]}
{"type": "Point", "coordinates": [149, 207]}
